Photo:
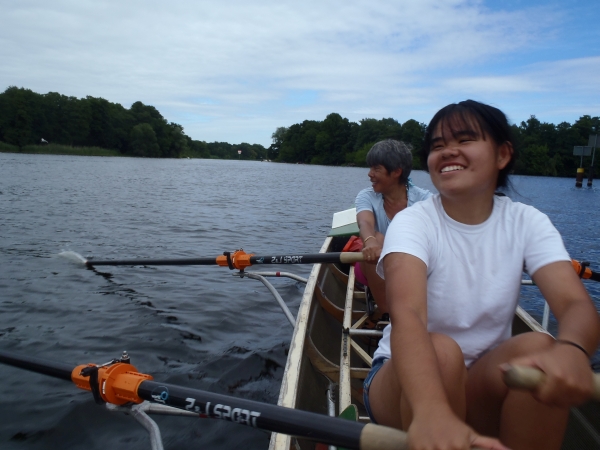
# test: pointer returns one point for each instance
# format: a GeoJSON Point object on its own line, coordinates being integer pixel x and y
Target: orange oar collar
{"type": "Point", "coordinates": [582, 269]}
{"type": "Point", "coordinates": [117, 383]}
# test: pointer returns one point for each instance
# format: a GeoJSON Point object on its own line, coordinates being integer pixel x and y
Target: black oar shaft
{"type": "Point", "coordinates": [155, 262]}
{"type": "Point", "coordinates": [348, 257]}
{"type": "Point", "coordinates": [315, 427]}
{"type": "Point", "coordinates": [311, 426]}
{"type": "Point", "coordinates": [43, 366]}
{"type": "Point", "coordinates": [317, 258]}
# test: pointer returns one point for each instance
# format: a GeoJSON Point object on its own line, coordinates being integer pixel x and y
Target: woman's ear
{"type": "Point", "coordinates": [505, 152]}
{"type": "Point", "coordinates": [396, 173]}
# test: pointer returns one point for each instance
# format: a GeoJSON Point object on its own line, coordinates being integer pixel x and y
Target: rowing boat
{"type": "Point", "coordinates": [331, 353]}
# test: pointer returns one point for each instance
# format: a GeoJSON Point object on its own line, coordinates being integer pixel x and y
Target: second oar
{"type": "Point", "coordinates": [237, 260]}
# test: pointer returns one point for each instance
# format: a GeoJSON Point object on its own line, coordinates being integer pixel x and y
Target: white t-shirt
{"type": "Point", "coordinates": [473, 271]}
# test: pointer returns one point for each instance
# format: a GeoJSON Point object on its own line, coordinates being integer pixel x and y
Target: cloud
{"type": "Point", "coordinates": [235, 70]}
{"type": "Point", "coordinates": [534, 91]}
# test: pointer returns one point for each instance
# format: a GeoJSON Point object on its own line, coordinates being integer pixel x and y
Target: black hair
{"type": "Point", "coordinates": [392, 155]}
{"type": "Point", "coordinates": [489, 120]}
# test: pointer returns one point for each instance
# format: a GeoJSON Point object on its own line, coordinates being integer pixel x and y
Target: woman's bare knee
{"type": "Point", "coordinates": [449, 355]}
{"type": "Point", "coordinates": [385, 394]}
{"type": "Point", "coordinates": [486, 390]}
{"type": "Point", "coordinates": [385, 397]}
{"type": "Point", "coordinates": [452, 370]}
{"type": "Point", "coordinates": [526, 343]}
{"type": "Point", "coordinates": [484, 374]}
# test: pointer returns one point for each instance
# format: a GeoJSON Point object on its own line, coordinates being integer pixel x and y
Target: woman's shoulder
{"type": "Point", "coordinates": [422, 222]}
{"type": "Point", "coordinates": [514, 208]}
{"type": "Point", "coordinates": [424, 210]}
{"type": "Point", "coordinates": [368, 193]}
{"type": "Point", "coordinates": [525, 218]}
{"type": "Point", "coordinates": [417, 194]}
{"type": "Point", "coordinates": [367, 200]}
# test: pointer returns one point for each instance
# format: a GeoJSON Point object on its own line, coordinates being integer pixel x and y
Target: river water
{"type": "Point", "coordinates": [195, 326]}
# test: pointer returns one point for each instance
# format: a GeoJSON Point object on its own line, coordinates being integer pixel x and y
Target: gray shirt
{"type": "Point", "coordinates": [369, 200]}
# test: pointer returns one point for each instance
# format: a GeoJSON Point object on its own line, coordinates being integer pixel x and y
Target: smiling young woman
{"type": "Point", "coordinates": [452, 266]}
{"type": "Point", "coordinates": [465, 163]}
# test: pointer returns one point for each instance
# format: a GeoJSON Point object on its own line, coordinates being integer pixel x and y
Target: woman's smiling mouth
{"type": "Point", "coordinates": [451, 168]}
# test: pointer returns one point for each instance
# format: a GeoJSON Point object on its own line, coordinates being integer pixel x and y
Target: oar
{"type": "Point", "coordinates": [120, 383]}
{"type": "Point", "coordinates": [522, 377]}
{"type": "Point", "coordinates": [584, 271]}
{"type": "Point", "coordinates": [237, 260]}
{"type": "Point", "coordinates": [240, 260]}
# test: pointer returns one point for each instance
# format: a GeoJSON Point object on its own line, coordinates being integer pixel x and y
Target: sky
{"type": "Point", "coordinates": [235, 71]}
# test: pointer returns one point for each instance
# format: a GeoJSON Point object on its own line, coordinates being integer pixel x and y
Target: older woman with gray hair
{"type": "Point", "coordinates": [391, 191]}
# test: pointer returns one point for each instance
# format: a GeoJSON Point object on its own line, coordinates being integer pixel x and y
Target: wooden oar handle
{"type": "Point", "coordinates": [377, 437]}
{"type": "Point", "coordinates": [351, 257]}
{"type": "Point", "coordinates": [523, 377]}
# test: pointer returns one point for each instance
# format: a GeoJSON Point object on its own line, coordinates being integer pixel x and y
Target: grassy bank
{"type": "Point", "coordinates": [4, 147]}
{"type": "Point", "coordinates": [56, 149]}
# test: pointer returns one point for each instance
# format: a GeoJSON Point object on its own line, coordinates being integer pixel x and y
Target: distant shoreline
{"type": "Point", "coordinates": [55, 149]}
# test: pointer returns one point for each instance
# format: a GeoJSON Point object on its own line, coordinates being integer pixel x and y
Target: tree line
{"type": "Point", "coordinates": [542, 148]}
{"type": "Point", "coordinates": [27, 117]}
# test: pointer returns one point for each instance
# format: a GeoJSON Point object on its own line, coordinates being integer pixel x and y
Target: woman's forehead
{"type": "Point", "coordinates": [455, 125]}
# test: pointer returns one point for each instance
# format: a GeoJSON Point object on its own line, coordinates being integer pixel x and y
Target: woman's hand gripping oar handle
{"type": "Point", "coordinates": [523, 377]}
{"type": "Point", "coordinates": [351, 257]}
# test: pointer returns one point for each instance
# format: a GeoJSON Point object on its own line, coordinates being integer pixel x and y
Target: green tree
{"type": "Point", "coordinates": [413, 134]}
{"type": "Point", "coordinates": [369, 132]}
{"type": "Point", "coordinates": [534, 160]}
{"type": "Point", "coordinates": [278, 137]}
{"type": "Point", "coordinates": [299, 142]}
{"type": "Point", "coordinates": [142, 141]}
{"type": "Point", "coordinates": [101, 132]}
{"type": "Point", "coordinates": [18, 117]}
{"type": "Point", "coordinates": [19, 132]}
{"type": "Point", "coordinates": [198, 149]}
{"type": "Point", "coordinates": [359, 157]}
{"type": "Point", "coordinates": [176, 140]}
{"type": "Point", "coordinates": [333, 141]}
{"type": "Point", "coordinates": [221, 150]}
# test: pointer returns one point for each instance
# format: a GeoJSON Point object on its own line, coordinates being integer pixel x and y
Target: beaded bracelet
{"type": "Point", "coordinates": [366, 239]}
{"type": "Point", "coordinates": [563, 341]}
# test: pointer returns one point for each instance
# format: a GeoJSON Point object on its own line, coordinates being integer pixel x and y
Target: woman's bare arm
{"type": "Point", "coordinates": [571, 304]}
{"type": "Point", "coordinates": [417, 369]}
{"type": "Point", "coordinates": [569, 377]}
{"type": "Point", "coordinates": [372, 240]}
{"type": "Point", "coordinates": [433, 421]}
{"type": "Point", "coordinates": [366, 224]}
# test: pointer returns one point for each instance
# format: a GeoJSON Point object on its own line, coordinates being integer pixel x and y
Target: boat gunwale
{"type": "Point", "coordinates": [293, 366]}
